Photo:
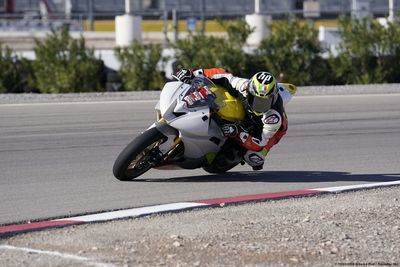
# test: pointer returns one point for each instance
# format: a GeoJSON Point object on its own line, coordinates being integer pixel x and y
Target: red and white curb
{"type": "Point", "coordinates": [136, 212]}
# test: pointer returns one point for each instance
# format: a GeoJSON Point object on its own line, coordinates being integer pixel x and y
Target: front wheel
{"type": "Point", "coordinates": [138, 156]}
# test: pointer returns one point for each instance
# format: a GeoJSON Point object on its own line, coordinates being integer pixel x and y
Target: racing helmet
{"type": "Point", "coordinates": [262, 92]}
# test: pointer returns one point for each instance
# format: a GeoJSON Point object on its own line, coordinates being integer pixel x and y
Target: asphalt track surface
{"type": "Point", "coordinates": [56, 158]}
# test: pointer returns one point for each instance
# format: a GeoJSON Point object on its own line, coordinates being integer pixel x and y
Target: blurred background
{"type": "Point", "coordinates": [308, 42]}
{"type": "Point", "coordinates": [99, 15]}
{"type": "Point", "coordinates": [153, 9]}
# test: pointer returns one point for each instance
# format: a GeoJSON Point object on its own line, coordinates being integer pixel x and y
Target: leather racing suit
{"type": "Point", "coordinates": [267, 129]}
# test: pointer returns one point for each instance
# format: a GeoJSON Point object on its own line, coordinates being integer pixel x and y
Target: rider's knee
{"type": "Point", "coordinates": [255, 159]}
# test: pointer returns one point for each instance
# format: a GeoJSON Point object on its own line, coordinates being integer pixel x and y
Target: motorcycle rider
{"type": "Point", "coordinates": [264, 107]}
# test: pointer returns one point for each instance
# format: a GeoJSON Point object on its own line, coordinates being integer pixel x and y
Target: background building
{"type": "Point", "coordinates": [107, 9]}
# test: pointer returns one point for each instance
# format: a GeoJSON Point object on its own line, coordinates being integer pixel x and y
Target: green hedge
{"type": "Point", "coordinates": [64, 65]}
{"type": "Point", "coordinates": [14, 72]}
{"type": "Point", "coordinates": [292, 52]}
{"type": "Point", "coordinates": [139, 67]}
{"type": "Point", "coordinates": [369, 53]}
{"type": "Point", "coordinates": [201, 51]}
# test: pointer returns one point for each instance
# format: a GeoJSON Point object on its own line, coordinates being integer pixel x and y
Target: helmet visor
{"type": "Point", "coordinates": [260, 105]}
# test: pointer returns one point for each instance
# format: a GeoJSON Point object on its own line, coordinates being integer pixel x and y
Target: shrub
{"type": "Point", "coordinates": [201, 51]}
{"type": "Point", "coordinates": [6, 69]}
{"type": "Point", "coordinates": [14, 72]}
{"type": "Point", "coordinates": [64, 65]}
{"type": "Point", "coordinates": [369, 52]}
{"type": "Point", "coordinates": [196, 51]}
{"type": "Point", "coordinates": [238, 31]}
{"type": "Point", "coordinates": [139, 66]}
{"type": "Point", "coordinates": [291, 52]}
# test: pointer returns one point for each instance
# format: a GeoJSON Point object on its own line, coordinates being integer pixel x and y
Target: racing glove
{"type": "Point", "coordinates": [185, 75]}
{"type": "Point", "coordinates": [237, 131]}
{"type": "Point", "coordinates": [232, 130]}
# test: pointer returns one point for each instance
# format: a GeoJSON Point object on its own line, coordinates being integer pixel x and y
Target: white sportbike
{"type": "Point", "coordinates": [187, 133]}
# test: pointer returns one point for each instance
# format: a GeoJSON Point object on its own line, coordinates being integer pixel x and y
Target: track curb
{"type": "Point", "coordinates": [182, 206]}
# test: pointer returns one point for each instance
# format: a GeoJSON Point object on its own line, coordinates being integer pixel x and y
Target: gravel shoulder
{"type": "Point", "coordinates": [348, 229]}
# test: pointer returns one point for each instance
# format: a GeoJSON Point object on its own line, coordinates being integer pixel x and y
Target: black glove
{"type": "Point", "coordinates": [230, 130]}
{"type": "Point", "coordinates": [185, 75]}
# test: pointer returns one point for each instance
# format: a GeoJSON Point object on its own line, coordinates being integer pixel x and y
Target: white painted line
{"type": "Point", "coordinates": [85, 260]}
{"type": "Point", "coordinates": [133, 212]}
{"type": "Point", "coordinates": [353, 187]}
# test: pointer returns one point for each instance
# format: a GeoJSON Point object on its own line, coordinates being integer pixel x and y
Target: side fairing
{"type": "Point", "coordinates": [195, 123]}
{"type": "Point", "coordinates": [199, 134]}
{"type": "Point", "coordinates": [195, 130]}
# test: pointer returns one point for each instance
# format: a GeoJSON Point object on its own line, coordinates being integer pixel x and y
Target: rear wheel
{"type": "Point", "coordinates": [230, 156]}
{"type": "Point", "coordinates": [215, 168]}
{"type": "Point", "coordinates": [139, 155]}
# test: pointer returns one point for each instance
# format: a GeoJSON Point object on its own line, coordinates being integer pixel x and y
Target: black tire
{"type": "Point", "coordinates": [215, 169]}
{"type": "Point", "coordinates": [230, 156]}
{"type": "Point", "coordinates": [136, 152]}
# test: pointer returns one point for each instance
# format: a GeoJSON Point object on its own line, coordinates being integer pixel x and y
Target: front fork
{"type": "Point", "coordinates": [173, 145]}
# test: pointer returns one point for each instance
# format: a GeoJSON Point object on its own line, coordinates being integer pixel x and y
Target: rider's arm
{"type": "Point", "coordinates": [272, 122]}
{"type": "Point", "coordinates": [224, 78]}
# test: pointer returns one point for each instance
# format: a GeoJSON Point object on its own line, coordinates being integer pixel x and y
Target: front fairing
{"type": "Point", "coordinates": [189, 108]}
{"type": "Point", "coordinates": [169, 97]}
{"type": "Point", "coordinates": [177, 98]}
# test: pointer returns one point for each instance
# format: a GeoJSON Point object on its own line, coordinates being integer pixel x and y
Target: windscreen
{"type": "Point", "coordinates": [201, 94]}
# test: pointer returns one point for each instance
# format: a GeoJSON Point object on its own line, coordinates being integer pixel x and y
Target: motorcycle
{"type": "Point", "coordinates": [187, 133]}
